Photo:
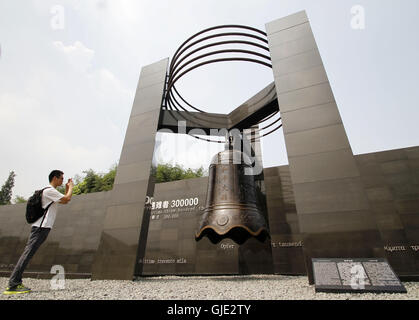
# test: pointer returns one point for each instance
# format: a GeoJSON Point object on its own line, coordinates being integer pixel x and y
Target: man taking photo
{"type": "Point", "coordinates": [41, 228]}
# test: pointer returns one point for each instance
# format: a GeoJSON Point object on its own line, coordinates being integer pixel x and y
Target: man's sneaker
{"type": "Point", "coordinates": [18, 289]}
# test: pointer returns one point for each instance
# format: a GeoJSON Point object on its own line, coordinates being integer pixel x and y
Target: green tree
{"type": "Point", "coordinates": [167, 172]}
{"type": "Point", "coordinates": [93, 182]}
{"type": "Point", "coordinates": [6, 189]}
{"type": "Point", "coordinates": [20, 199]}
{"type": "Point", "coordinates": [78, 181]}
{"type": "Point", "coordinates": [109, 179]}
{"type": "Point", "coordinates": [61, 189]}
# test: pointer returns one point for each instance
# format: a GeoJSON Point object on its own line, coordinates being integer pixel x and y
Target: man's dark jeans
{"type": "Point", "coordinates": [36, 238]}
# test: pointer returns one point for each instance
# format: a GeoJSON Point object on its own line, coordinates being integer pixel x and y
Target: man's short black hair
{"type": "Point", "coordinates": [55, 173]}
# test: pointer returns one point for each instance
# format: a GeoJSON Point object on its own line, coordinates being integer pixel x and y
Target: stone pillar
{"type": "Point", "coordinates": [116, 257]}
{"type": "Point", "coordinates": [333, 210]}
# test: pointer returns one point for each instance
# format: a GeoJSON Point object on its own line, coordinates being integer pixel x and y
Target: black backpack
{"type": "Point", "coordinates": [34, 208]}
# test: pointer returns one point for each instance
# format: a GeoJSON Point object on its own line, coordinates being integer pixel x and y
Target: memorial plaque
{"type": "Point", "coordinates": [355, 275]}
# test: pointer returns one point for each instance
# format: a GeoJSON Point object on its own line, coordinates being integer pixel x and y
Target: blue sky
{"type": "Point", "coordinates": [66, 93]}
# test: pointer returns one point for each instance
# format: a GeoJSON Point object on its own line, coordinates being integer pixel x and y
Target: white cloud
{"type": "Point", "coordinates": [77, 54]}
{"type": "Point", "coordinates": [66, 115]}
{"type": "Point", "coordinates": [66, 94]}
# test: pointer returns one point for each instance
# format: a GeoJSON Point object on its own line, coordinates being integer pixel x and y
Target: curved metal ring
{"type": "Point", "coordinates": [175, 72]}
{"type": "Point", "coordinates": [214, 28]}
{"type": "Point", "coordinates": [176, 67]}
{"type": "Point", "coordinates": [180, 62]}
{"type": "Point", "coordinates": [214, 61]}
{"type": "Point", "coordinates": [226, 34]}
{"type": "Point", "coordinates": [221, 43]}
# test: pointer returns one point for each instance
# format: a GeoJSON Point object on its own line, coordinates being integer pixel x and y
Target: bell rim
{"type": "Point", "coordinates": [253, 233]}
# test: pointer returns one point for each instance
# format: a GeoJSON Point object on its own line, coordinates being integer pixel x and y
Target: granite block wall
{"type": "Point", "coordinates": [72, 243]}
{"type": "Point", "coordinates": [330, 197]}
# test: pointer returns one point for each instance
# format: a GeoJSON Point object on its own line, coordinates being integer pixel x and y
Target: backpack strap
{"type": "Point", "coordinates": [45, 214]}
{"type": "Point", "coordinates": [46, 210]}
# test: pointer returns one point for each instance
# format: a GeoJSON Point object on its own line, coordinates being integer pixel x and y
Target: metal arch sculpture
{"type": "Point", "coordinates": [184, 62]}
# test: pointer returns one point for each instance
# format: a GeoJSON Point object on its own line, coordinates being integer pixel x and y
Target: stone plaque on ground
{"type": "Point", "coordinates": [355, 275]}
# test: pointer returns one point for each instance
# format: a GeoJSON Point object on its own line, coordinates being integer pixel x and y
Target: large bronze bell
{"type": "Point", "coordinates": [231, 202]}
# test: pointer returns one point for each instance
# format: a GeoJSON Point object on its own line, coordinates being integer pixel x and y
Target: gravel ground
{"type": "Point", "coordinates": [255, 287]}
